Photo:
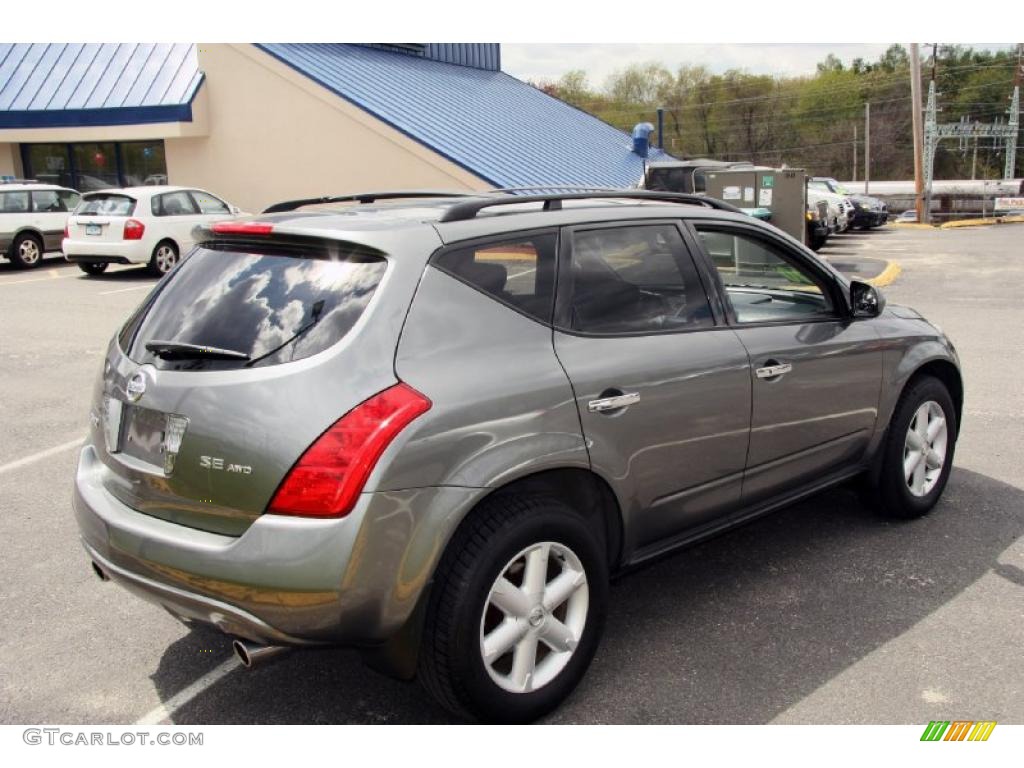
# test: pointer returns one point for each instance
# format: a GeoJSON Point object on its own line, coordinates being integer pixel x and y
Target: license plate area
{"type": "Point", "coordinates": [142, 435]}
{"type": "Point", "coordinates": [93, 229]}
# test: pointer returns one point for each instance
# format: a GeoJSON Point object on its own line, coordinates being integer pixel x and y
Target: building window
{"type": "Point", "coordinates": [96, 165]}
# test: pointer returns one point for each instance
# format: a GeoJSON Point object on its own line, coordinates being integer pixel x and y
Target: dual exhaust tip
{"type": "Point", "coordinates": [250, 654]}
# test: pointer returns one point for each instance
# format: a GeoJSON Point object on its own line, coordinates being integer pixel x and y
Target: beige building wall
{"type": "Point", "coordinates": [273, 134]}
{"type": "Point", "coordinates": [10, 160]}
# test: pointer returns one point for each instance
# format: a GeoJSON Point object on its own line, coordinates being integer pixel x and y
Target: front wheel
{"type": "Point", "coordinates": [164, 258]}
{"type": "Point", "coordinates": [516, 612]}
{"type": "Point", "coordinates": [918, 452]}
{"type": "Point", "coordinates": [93, 268]}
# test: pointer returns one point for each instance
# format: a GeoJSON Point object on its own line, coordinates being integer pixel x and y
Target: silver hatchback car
{"type": "Point", "coordinates": [432, 426]}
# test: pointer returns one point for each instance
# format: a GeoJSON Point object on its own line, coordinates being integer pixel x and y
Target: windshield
{"type": "Point", "coordinates": [265, 308]}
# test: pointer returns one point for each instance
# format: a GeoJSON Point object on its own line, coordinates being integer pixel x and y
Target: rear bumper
{"type": "Point", "coordinates": [354, 580]}
{"type": "Point", "coordinates": [118, 252]}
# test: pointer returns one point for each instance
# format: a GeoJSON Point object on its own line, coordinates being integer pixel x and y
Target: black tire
{"type": "Point", "coordinates": [890, 490]}
{"type": "Point", "coordinates": [451, 665]}
{"type": "Point", "coordinates": [27, 251]}
{"type": "Point", "coordinates": [164, 259]}
{"type": "Point", "coordinates": [817, 242]}
{"type": "Point", "coordinates": [93, 268]}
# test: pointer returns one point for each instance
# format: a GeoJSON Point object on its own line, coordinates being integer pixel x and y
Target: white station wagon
{"type": "Point", "coordinates": [32, 217]}
{"type": "Point", "coordinates": [139, 225]}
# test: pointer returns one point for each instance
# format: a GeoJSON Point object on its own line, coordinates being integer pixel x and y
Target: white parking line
{"type": "Point", "coordinates": [180, 699]}
{"type": "Point", "coordinates": [37, 279]}
{"type": "Point", "coordinates": [122, 290]}
{"type": "Point", "coordinates": [41, 455]}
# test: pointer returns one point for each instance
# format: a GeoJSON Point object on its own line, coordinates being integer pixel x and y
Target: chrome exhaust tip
{"type": "Point", "coordinates": [253, 654]}
{"type": "Point", "coordinates": [100, 573]}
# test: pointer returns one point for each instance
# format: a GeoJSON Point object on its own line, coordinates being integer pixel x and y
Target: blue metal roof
{"type": "Point", "coordinates": [497, 127]}
{"type": "Point", "coordinates": [44, 85]}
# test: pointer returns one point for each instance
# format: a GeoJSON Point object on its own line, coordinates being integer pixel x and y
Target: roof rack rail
{"type": "Point", "coordinates": [468, 209]}
{"type": "Point", "coordinates": [364, 198]}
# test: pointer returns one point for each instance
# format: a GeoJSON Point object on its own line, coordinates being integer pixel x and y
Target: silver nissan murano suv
{"type": "Point", "coordinates": [431, 426]}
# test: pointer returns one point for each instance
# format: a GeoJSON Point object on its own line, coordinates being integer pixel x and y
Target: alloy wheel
{"type": "Point", "coordinates": [166, 258]}
{"type": "Point", "coordinates": [534, 617]}
{"type": "Point", "coordinates": [28, 250]}
{"type": "Point", "coordinates": [924, 450]}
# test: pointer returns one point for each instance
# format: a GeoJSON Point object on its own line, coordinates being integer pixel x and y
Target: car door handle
{"type": "Point", "coordinates": [773, 370]}
{"type": "Point", "coordinates": [613, 403]}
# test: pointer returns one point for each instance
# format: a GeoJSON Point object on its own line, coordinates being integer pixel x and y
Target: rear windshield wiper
{"type": "Point", "coordinates": [169, 350]}
{"type": "Point", "coordinates": [315, 314]}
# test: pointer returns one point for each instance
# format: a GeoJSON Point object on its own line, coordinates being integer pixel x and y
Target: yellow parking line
{"type": "Point", "coordinates": [886, 276]}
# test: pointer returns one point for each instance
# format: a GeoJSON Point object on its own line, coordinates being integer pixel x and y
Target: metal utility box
{"type": "Point", "coordinates": [783, 191]}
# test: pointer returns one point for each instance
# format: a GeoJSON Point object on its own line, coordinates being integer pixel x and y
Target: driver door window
{"type": "Point", "coordinates": [635, 280]}
{"type": "Point", "coordinates": [762, 285]}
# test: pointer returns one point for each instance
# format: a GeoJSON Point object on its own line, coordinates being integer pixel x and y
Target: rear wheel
{"type": "Point", "coordinates": [516, 611]}
{"type": "Point", "coordinates": [27, 251]}
{"type": "Point", "coordinates": [93, 268]}
{"type": "Point", "coordinates": [918, 453]}
{"type": "Point", "coordinates": [164, 259]}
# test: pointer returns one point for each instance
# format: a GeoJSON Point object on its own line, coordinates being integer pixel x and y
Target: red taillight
{"type": "Point", "coordinates": [332, 472]}
{"type": "Point", "coordinates": [134, 229]}
{"type": "Point", "coordinates": [242, 228]}
{"type": "Point", "coordinates": [67, 234]}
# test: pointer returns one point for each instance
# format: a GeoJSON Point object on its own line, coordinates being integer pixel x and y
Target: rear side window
{"type": "Point", "coordinates": [635, 280]}
{"type": "Point", "coordinates": [519, 272]}
{"type": "Point", "coordinates": [272, 307]}
{"type": "Point", "coordinates": [174, 204]}
{"type": "Point", "coordinates": [106, 205]}
{"type": "Point", "coordinates": [13, 202]}
{"type": "Point", "coordinates": [46, 201]}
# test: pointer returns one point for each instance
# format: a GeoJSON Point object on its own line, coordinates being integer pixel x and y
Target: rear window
{"type": "Point", "coordinates": [271, 307]}
{"type": "Point", "coordinates": [106, 205]}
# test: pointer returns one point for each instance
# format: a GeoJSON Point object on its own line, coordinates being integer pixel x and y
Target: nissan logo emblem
{"type": "Point", "coordinates": [136, 386]}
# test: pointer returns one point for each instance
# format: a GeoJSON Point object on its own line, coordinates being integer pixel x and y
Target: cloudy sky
{"type": "Point", "coordinates": [551, 61]}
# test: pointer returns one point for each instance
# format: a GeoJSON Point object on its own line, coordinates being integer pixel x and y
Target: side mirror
{"type": "Point", "coordinates": [235, 210]}
{"type": "Point", "coordinates": [866, 300]}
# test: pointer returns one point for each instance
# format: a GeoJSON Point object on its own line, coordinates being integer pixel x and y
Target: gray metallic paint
{"type": "Point", "coordinates": [503, 409]}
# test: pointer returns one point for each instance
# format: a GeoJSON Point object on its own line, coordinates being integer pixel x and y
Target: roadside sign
{"type": "Point", "coordinates": [1010, 204]}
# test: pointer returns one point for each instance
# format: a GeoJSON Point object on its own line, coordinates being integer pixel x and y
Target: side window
{"type": "Point", "coordinates": [208, 204]}
{"type": "Point", "coordinates": [174, 204]}
{"type": "Point", "coordinates": [13, 202]}
{"type": "Point", "coordinates": [761, 282]}
{"type": "Point", "coordinates": [519, 272]}
{"type": "Point", "coordinates": [46, 201]}
{"type": "Point", "coordinates": [637, 279]}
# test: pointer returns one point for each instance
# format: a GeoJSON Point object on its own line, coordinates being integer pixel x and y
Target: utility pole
{"type": "Point", "coordinates": [867, 146]}
{"type": "Point", "coordinates": [854, 152]}
{"type": "Point", "coordinates": [1014, 127]}
{"type": "Point", "coordinates": [915, 107]}
{"type": "Point", "coordinates": [974, 157]}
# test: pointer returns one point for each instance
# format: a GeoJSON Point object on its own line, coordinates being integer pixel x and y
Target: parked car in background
{"type": "Point", "coordinates": [32, 219]}
{"type": "Point", "coordinates": [817, 224]}
{"type": "Point", "coordinates": [836, 218]}
{"type": "Point", "coordinates": [908, 217]}
{"type": "Point", "coordinates": [431, 429]}
{"type": "Point", "coordinates": [149, 225]}
{"type": "Point", "coordinates": [867, 212]}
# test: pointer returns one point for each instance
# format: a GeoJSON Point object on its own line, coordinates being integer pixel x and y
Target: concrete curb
{"type": "Point", "coordinates": [886, 276]}
{"type": "Point", "coordinates": [981, 222]}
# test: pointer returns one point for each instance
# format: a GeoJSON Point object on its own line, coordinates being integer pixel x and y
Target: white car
{"type": "Point", "coordinates": [149, 225]}
{"type": "Point", "coordinates": [32, 217]}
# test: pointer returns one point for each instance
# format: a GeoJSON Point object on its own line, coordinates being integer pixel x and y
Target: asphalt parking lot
{"type": "Point", "coordinates": [823, 613]}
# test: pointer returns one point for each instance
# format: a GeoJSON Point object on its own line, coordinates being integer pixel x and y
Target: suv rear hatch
{"type": "Point", "coordinates": [101, 217]}
{"type": "Point", "coordinates": [234, 365]}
